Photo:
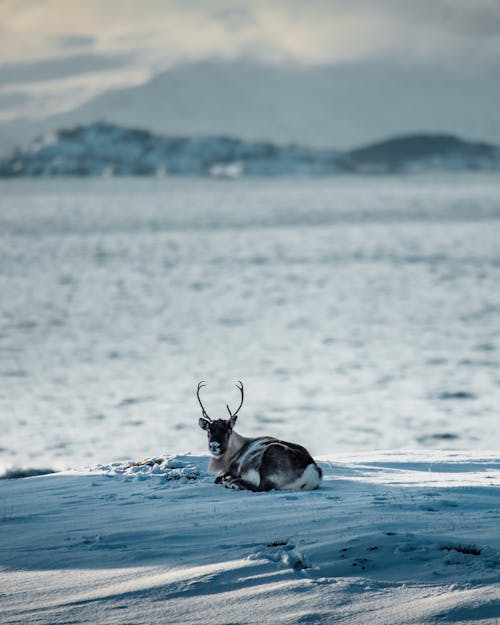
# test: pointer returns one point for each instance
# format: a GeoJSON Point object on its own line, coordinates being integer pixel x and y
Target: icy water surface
{"type": "Point", "coordinates": [360, 313]}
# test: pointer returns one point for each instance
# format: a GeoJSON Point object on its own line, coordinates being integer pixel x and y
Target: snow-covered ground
{"type": "Point", "coordinates": [361, 313]}
{"type": "Point", "coordinates": [389, 538]}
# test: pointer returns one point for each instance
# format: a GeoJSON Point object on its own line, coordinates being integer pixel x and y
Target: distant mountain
{"type": "Point", "coordinates": [102, 149]}
{"type": "Point", "coordinates": [344, 105]}
{"type": "Point", "coordinates": [424, 151]}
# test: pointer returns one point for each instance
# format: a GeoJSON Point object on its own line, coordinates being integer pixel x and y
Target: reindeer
{"type": "Point", "coordinates": [256, 464]}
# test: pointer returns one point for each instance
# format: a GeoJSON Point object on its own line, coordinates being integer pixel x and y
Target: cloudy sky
{"type": "Point", "coordinates": [55, 54]}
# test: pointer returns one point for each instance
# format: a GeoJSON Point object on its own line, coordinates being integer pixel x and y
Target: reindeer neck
{"type": "Point", "coordinates": [236, 442]}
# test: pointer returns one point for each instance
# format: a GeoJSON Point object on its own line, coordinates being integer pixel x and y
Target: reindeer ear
{"type": "Point", "coordinates": [203, 423]}
{"type": "Point", "coordinates": [232, 420]}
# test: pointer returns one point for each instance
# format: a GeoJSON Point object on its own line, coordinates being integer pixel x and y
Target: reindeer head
{"type": "Point", "coordinates": [219, 430]}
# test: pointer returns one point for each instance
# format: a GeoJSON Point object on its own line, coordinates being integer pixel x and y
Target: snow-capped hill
{"type": "Point", "coordinates": [104, 149]}
{"type": "Point", "coordinates": [108, 149]}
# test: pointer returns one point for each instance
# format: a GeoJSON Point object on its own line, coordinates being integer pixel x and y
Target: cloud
{"type": "Point", "coordinates": [75, 41]}
{"type": "Point", "coordinates": [60, 67]}
{"type": "Point", "coordinates": [235, 18]}
{"type": "Point", "coordinates": [316, 31]}
{"type": "Point", "coordinates": [13, 99]}
{"type": "Point", "coordinates": [52, 41]}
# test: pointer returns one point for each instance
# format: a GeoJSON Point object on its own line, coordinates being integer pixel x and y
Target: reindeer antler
{"type": "Point", "coordinates": [240, 387]}
{"type": "Point", "coordinates": [204, 412]}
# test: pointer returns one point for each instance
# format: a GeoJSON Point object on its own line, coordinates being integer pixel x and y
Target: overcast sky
{"type": "Point", "coordinates": [54, 54]}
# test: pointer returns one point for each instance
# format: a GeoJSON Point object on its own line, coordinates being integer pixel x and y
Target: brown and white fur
{"type": "Point", "coordinates": [257, 464]}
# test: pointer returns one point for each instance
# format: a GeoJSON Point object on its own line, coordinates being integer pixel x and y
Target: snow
{"type": "Point", "coordinates": [406, 537]}
{"type": "Point", "coordinates": [359, 313]}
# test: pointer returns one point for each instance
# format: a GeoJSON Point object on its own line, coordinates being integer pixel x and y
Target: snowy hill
{"type": "Point", "coordinates": [107, 149]}
{"type": "Point", "coordinates": [395, 537]}
{"type": "Point", "coordinates": [102, 149]}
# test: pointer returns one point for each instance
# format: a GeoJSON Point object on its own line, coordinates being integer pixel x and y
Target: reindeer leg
{"type": "Point", "coordinates": [240, 484]}
{"type": "Point", "coordinates": [223, 477]}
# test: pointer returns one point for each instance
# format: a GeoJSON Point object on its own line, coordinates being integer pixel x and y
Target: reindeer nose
{"type": "Point", "coordinates": [215, 447]}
